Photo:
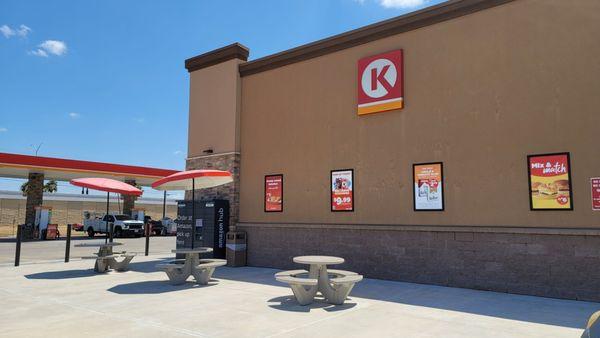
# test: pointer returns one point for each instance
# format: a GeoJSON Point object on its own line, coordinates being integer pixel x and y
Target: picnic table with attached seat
{"type": "Point", "coordinates": [179, 270]}
{"type": "Point", "coordinates": [106, 258]}
{"type": "Point", "coordinates": [334, 285]}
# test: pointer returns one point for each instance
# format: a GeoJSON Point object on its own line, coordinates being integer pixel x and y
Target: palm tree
{"type": "Point", "coordinates": [50, 187]}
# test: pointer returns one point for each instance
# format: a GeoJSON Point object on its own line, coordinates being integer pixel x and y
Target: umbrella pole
{"type": "Point", "coordinates": [164, 204]}
{"type": "Point", "coordinates": [107, 201]}
{"type": "Point", "coordinates": [193, 213]}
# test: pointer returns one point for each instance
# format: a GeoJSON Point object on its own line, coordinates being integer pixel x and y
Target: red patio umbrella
{"type": "Point", "coordinates": [108, 185]}
{"type": "Point", "coordinates": [192, 180]}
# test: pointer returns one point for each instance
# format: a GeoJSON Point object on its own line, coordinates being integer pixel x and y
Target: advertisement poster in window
{"type": "Point", "coordinates": [342, 190]}
{"type": "Point", "coordinates": [595, 185]}
{"type": "Point", "coordinates": [550, 182]}
{"type": "Point", "coordinates": [273, 193]}
{"type": "Point", "coordinates": [428, 194]}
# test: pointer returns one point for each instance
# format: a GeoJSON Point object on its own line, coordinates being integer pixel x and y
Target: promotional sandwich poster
{"type": "Point", "coordinates": [428, 194]}
{"type": "Point", "coordinates": [274, 193]}
{"type": "Point", "coordinates": [549, 182]}
{"type": "Point", "coordinates": [342, 194]}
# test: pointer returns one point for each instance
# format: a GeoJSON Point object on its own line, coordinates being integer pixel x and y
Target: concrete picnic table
{"type": "Point", "coordinates": [334, 290]}
{"type": "Point", "coordinates": [318, 266]}
{"type": "Point", "coordinates": [318, 270]}
{"type": "Point", "coordinates": [179, 270]}
{"type": "Point", "coordinates": [192, 255]}
{"type": "Point", "coordinates": [105, 257]}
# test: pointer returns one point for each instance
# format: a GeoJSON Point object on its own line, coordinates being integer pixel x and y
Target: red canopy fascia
{"type": "Point", "coordinates": [20, 166]}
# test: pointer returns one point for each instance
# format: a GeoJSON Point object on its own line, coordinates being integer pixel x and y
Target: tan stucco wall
{"type": "Point", "coordinates": [214, 109]}
{"type": "Point", "coordinates": [482, 91]}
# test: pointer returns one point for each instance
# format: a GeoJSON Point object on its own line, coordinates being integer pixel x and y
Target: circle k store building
{"type": "Point", "coordinates": [456, 145]}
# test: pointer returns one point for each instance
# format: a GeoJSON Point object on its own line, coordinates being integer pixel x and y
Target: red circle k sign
{"type": "Point", "coordinates": [380, 83]}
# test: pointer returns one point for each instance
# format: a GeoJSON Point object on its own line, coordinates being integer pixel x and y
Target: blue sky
{"type": "Point", "coordinates": [104, 80]}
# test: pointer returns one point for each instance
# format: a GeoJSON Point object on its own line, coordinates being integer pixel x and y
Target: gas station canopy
{"type": "Point", "coordinates": [20, 166]}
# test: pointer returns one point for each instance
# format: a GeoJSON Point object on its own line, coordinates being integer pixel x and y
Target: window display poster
{"type": "Point", "coordinates": [273, 193]}
{"type": "Point", "coordinates": [595, 185]}
{"type": "Point", "coordinates": [550, 182]}
{"type": "Point", "coordinates": [342, 190]}
{"type": "Point", "coordinates": [428, 186]}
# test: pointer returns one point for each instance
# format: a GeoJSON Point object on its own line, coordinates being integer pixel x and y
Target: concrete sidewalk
{"type": "Point", "coordinates": [70, 300]}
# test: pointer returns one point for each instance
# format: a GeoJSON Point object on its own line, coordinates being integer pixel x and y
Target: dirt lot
{"type": "Point", "coordinates": [11, 231]}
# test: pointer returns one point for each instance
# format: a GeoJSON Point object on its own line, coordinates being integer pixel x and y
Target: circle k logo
{"type": "Point", "coordinates": [380, 83]}
{"type": "Point", "coordinates": [379, 78]}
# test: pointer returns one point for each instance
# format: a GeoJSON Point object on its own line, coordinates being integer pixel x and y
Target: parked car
{"type": "Point", "coordinates": [77, 227]}
{"type": "Point", "coordinates": [122, 224]}
{"type": "Point", "coordinates": [170, 225]}
{"type": "Point", "coordinates": [162, 227]}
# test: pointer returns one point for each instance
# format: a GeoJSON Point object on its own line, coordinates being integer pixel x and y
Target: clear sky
{"type": "Point", "coordinates": [104, 80]}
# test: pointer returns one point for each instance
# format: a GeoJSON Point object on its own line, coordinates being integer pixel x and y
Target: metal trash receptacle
{"type": "Point", "coordinates": [236, 248]}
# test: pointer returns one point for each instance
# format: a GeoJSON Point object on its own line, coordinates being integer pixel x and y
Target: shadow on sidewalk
{"type": "Point", "coordinates": [67, 274]}
{"type": "Point", "coordinates": [289, 303]}
{"type": "Point", "coordinates": [156, 287]}
{"type": "Point", "coordinates": [144, 267]}
{"type": "Point", "coordinates": [148, 266]}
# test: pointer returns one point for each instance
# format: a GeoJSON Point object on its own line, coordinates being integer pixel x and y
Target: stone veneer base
{"type": "Point", "coordinates": [559, 263]}
{"type": "Point", "coordinates": [229, 162]}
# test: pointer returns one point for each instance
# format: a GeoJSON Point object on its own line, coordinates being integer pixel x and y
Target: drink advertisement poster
{"type": "Point", "coordinates": [550, 182]}
{"type": "Point", "coordinates": [595, 185]}
{"type": "Point", "coordinates": [342, 190]}
{"type": "Point", "coordinates": [273, 193]}
{"type": "Point", "coordinates": [428, 194]}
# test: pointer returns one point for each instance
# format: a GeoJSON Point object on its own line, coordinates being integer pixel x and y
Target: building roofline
{"type": "Point", "coordinates": [428, 16]}
{"type": "Point", "coordinates": [233, 51]}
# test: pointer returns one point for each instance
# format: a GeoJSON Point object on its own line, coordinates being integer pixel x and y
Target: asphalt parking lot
{"type": "Point", "coordinates": [54, 250]}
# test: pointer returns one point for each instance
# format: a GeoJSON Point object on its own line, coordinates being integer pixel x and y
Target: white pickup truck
{"type": "Point", "coordinates": [122, 225]}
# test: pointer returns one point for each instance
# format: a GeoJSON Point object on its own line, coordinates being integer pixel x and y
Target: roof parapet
{"type": "Point", "coordinates": [233, 51]}
{"type": "Point", "coordinates": [425, 17]}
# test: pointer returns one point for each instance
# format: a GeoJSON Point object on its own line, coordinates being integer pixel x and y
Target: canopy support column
{"type": "Point", "coordinates": [129, 200]}
{"type": "Point", "coordinates": [35, 197]}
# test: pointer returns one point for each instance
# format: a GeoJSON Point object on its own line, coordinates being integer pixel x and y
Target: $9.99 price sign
{"type": "Point", "coordinates": [342, 190]}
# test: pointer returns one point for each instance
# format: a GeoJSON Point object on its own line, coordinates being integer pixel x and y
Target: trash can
{"type": "Point", "coordinates": [236, 248]}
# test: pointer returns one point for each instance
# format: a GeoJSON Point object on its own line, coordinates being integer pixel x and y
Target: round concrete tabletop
{"type": "Point", "coordinates": [82, 245]}
{"type": "Point", "coordinates": [321, 260]}
{"type": "Point", "coordinates": [191, 251]}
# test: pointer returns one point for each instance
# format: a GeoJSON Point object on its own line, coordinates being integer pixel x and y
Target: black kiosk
{"type": "Point", "coordinates": [212, 223]}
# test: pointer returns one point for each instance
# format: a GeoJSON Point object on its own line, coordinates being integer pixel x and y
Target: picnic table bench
{"type": "Point", "coordinates": [179, 270]}
{"type": "Point", "coordinates": [107, 259]}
